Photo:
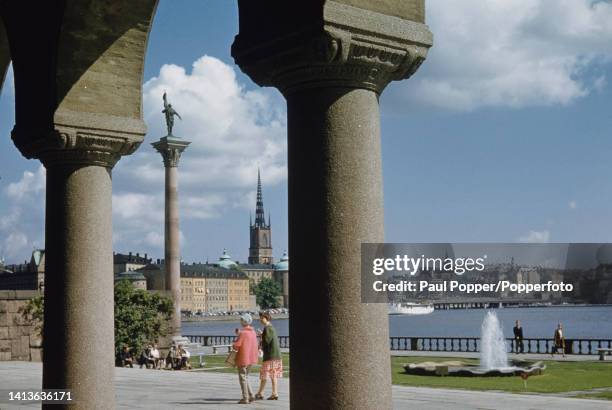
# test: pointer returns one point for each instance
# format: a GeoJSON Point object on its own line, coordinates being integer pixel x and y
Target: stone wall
{"type": "Point", "coordinates": [19, 339]}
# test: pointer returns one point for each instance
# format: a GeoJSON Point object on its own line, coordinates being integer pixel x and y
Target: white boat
{"type": "Point", "coordinates": [410, 309]}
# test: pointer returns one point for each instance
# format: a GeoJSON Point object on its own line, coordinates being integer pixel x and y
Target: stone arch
{"type": "Point", "coordinates": [100, 58]}
{"type": "Point", "coordinates": [82, 68]}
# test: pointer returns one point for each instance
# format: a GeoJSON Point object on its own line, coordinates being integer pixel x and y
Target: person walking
{"type": "Point", "coordinates": [518, 337]}
{"type": "Point", "coordinates": [272, 366]}
{"type": "Point", "coordinates": [246, 356]}
{"type": "Point", "coordinates": [559, 339]}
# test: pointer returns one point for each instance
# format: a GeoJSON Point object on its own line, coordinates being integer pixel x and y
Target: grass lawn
{"type": "Point", "coordinates": [559, 377]}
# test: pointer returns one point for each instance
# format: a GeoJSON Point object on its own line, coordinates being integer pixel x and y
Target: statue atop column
{"type": "Point", "coordinates": [170, 113]}
{"type": "Point", "coordinates": [171, 148]}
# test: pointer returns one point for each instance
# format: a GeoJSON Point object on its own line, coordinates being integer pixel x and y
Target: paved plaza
{"type": "Point", "coordinates": [153, 389]}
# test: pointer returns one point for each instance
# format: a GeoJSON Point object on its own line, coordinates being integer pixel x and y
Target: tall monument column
{"type": "Point", "coordinates": [171, 148]}
{"type": "Point", "coordinates": [332, 60]}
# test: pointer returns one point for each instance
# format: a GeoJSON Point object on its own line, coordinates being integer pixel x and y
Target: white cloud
{"type": "Point", "coordinates": [154, 239]}
{"type": "Point", "coordinates": [232, 130]}
{"type": "Point", "coordinates": [21, 224]}
{"type": "Point", "coordinates": [30, 184]}
{"type": "Point", "coordinates": [572, 205]}
{"type": "Point", "coordinates": [536, 237]}
{"type": "Point", "coordinates": [512, 53]}
{"type": "Point", "coordinates": [136, 208]}
{"type": "Point", "coordinates": [10, 219]}
{"type": "Point", "coordinates": [203, 206]}
{"type": "Point", "coordinates": [15, 244]}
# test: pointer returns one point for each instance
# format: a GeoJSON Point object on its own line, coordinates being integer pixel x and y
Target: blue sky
{"type": "Point", "coordinates": [504, 134]}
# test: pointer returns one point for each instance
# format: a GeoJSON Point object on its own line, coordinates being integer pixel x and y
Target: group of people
{"type": "Point", "coordinates": [248, 347]}
{"type": "Point", "coordinates": [178, 357]}
{"type": "Point", "coordinates": [150, 357]}
{"type": "Point", "coordinates": [558, 339]}
{"type": "Point", "coordinates": [248, 350]}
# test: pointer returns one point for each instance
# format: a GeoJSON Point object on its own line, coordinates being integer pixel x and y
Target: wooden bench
{"type": "Point", "coordinates": [215, 348]}
{"type": "Point", "coordinates": [602, 353]}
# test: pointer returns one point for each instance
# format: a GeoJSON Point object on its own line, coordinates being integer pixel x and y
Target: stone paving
{"type": "Point", "coordinates": [154, 389]}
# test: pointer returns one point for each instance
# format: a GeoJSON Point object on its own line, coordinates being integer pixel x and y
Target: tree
{"type": "Point", "coordinates": [33, 312]}
{"type": "Point", "coordinates": [267, 292]}
{"type": "Point", "coordinates": [141, 317]}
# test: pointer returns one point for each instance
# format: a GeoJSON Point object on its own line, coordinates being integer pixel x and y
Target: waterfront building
{"type": "Point", "coordinates": [226, 262]}
{"type": "Point", "coordinates": [25, 276]}
{"type": "Point", "coordinates": [281, 275]}
{"type": "Point", "coordinates": [238, 293]}
{"type": "Point", "coordinates": [205, 287]}
{"type": "Point", "coordinates": [136, 278]}
{"type": "Point", "coordinates": [129, 262]}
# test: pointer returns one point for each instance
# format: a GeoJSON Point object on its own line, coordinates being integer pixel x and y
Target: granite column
{"type": "Point", "coordinates": [331, 65]}
{"type": "Point", "coordinates": [78, 328]}
{"type": "Point", "coordinates": [171, 149]}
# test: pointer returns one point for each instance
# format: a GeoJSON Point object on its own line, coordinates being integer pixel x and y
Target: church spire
{"type": "Point", "coordinates": [260, 219]}
{"type": "Point", "coordinates": [260, 249]}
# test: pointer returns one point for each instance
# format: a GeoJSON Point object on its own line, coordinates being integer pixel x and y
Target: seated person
{"type": "Point", "coordinates": [184, 356]}
{"type": "Point", "coordinates": [126, 358]}
{"type": "Point", "coordinates": [156, 356]}
{"type": "Point", "coordinates": [172, 357]}
{"type": "Point", "coordinates": [146, 359]}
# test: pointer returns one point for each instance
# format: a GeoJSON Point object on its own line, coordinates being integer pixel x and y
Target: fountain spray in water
{"type": "Point", "coordinates": [492, 344]}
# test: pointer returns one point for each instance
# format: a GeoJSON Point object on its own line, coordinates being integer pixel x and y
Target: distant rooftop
{"type": "Point", "coordinates": [204, 270]}
{"type": "Point", "coordinates": [119, 258]}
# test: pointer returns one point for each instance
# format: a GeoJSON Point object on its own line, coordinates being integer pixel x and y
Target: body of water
{"type": "Point", "coordinates": [579, 322]}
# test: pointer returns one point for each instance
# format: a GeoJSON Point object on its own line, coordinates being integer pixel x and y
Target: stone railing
{"type": "Point", "coordinates": [227, 340]}
{"type": "Point", "coordinates": [451, 344]}
{"type": "Point", "coordinates": [472, 344]}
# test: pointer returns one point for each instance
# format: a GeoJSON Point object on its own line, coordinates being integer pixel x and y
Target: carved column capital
{"type": "Point", "coordinates": [171, 149]}
{"type": "Point", "coordinates": [82, 139]}
{"type": "Point", "coordinates": [353, 48]}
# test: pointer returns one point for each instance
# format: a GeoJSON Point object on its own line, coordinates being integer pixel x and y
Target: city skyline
{"type": "Point", "coordinates": [510, 142]}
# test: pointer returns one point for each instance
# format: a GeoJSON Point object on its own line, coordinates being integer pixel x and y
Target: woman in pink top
{"type": "Point", "coordinates": [247, 348]}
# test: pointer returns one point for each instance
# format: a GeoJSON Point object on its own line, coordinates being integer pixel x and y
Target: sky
{"type": "Point", "coordinates": [503, 135]}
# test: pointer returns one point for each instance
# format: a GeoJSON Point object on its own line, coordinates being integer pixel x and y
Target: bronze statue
{"type": "Point", "coordinates": [170, 113]}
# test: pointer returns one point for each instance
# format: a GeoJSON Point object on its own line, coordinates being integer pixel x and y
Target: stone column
{"type": "Point", "coordinates": [331, 65]}
{"type": "Point", "coordinates": [78, 342]}
{"type": "Point", "coordinates": [171, 148]}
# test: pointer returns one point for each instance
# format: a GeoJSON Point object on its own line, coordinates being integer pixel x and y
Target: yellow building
{"type": "Point", "coordinates": [238, 294]}
{"type": "Point", "coordinates": [205, 287]}
{"type": "Point", "coordinates": [193, 293]}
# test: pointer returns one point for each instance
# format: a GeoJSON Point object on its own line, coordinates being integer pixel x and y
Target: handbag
{"type": "Point", "coordinates": [231, 358]}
